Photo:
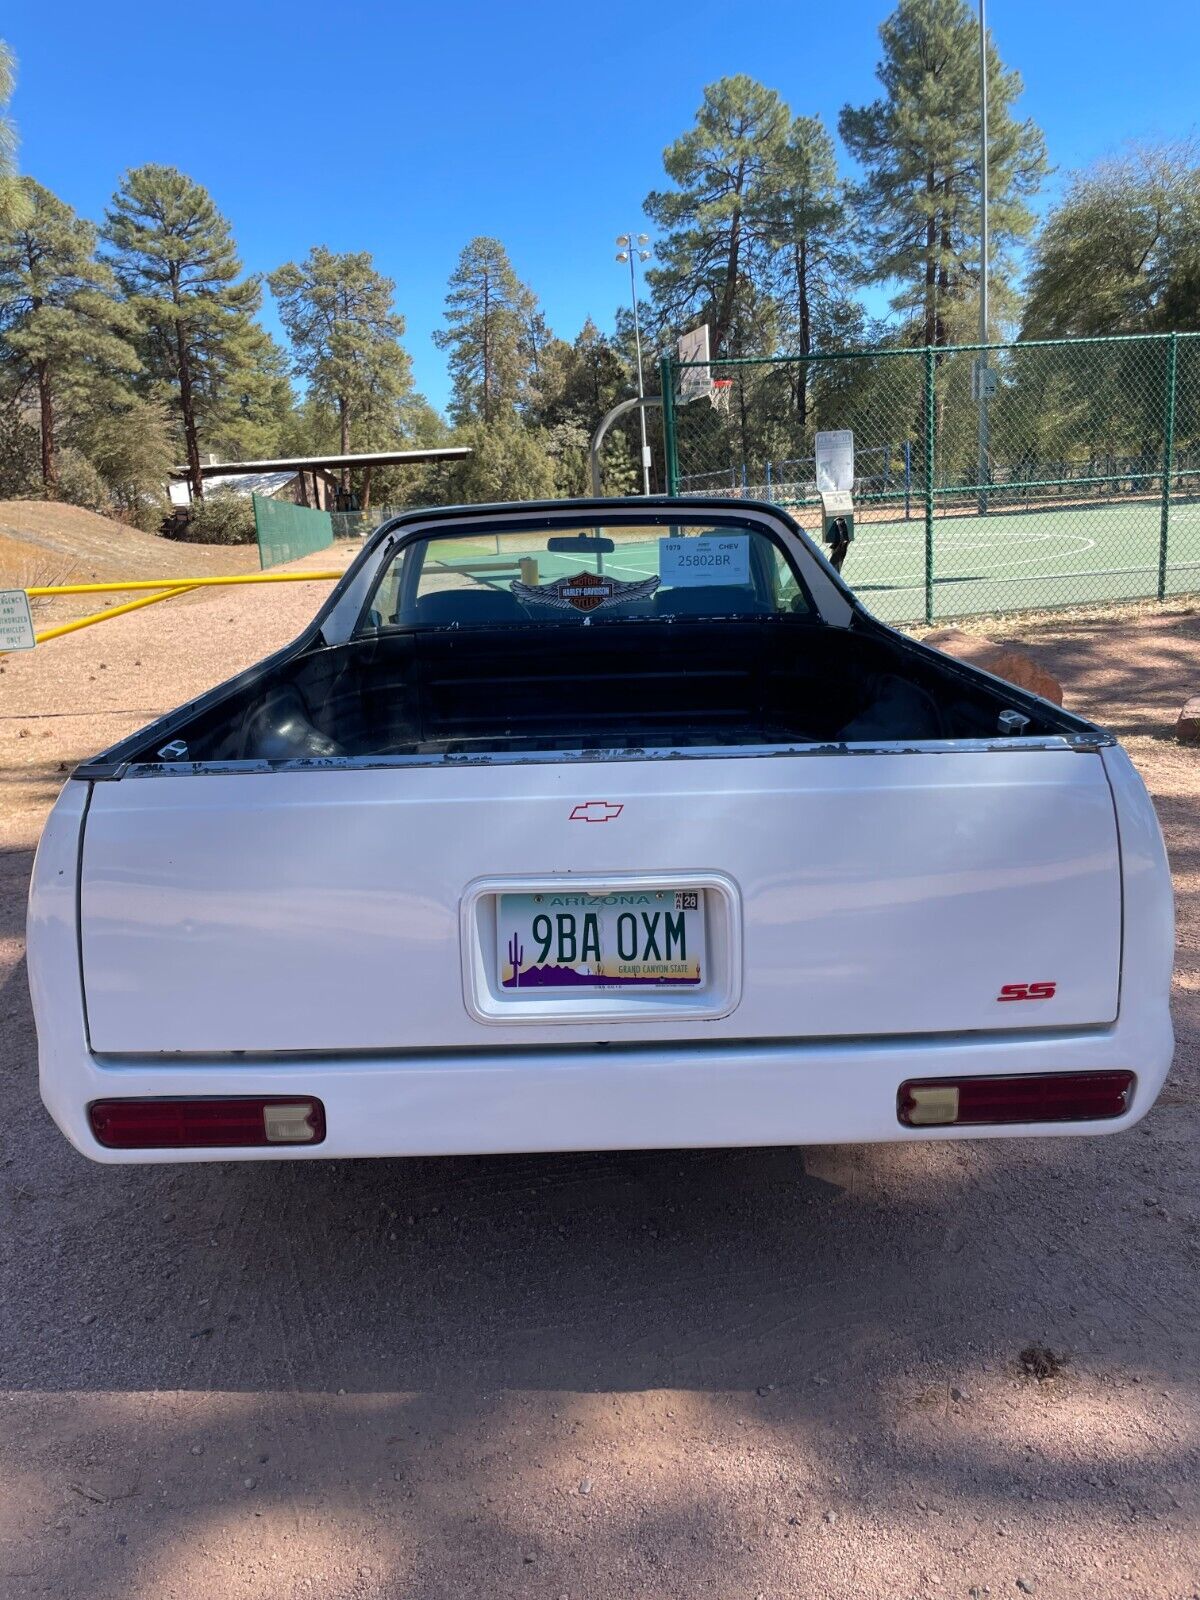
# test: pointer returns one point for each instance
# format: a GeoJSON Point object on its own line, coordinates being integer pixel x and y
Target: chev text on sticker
{"type": "Point", "coordinates": [704, 560]}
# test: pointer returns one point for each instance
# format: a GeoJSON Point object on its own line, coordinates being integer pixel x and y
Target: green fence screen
{"type": "Point", "coordinates": [286, 531]}
{"type": "Point", "coordinates": [1081, 487]}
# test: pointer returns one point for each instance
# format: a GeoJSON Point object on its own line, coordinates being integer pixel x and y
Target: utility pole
{"type": "Point", "coordinates": [631, 246]}
{"type": "Point", "coordinates": [981, 366]}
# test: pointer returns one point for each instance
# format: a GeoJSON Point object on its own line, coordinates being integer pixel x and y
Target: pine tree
{"type": "Point", "coordinates": [808, 228]}
{"type": "Point", "coordinates": [61, 323]}
{"type": "Point", "coordinates": [175, 258]}
{"type": "Point", "coordinates": [12, 199]}
{"type": "Point", "coordinates": [716, 221]}
{"type": "Point", "coordinates": [578, 383]}
{"type": "Point", "coordinates": [919, 146]}
{"type": "Point", "coordinates": [493, 335]}
{"type": "Point", "coordinates": [507, 462]}
{"type": "Point", "coordinates": [130, 444]}
{"type": "Point", "coordinates": [248, 415]}
{"type": "Point", "coordinates": [421, 426]}
{"type": "Point", "coordinates": [581, 381]}
{"type": "Point", "coordinates": [345, 335]}
{"type": "Point", "coordinates": [812, 261]}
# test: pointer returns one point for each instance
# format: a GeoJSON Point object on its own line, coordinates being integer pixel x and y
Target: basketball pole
{"type": "Point", "coordinates": [982, 363]}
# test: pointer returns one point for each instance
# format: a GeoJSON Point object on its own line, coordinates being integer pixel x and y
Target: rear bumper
{"type": "Point", "coordinates": [604, 1097]}
{"type": "Point", "coordinates": [779, 1093]}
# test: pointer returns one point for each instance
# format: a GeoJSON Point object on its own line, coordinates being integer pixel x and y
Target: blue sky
{"type": "Point", "coordinates": [407, 128]}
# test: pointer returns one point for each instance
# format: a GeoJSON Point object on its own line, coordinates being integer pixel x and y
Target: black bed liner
{"type": "Point", "coordinates": [685, 683]}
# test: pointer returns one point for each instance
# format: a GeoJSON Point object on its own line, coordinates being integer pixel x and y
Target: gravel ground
{"type": "Point", "coordinates": [772, 1373]}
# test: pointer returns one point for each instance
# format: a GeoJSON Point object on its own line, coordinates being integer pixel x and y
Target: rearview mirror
{"type": "Point", "coordinates": [581, 544]}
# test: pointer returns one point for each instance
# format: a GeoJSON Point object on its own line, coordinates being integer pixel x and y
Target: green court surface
{"type": "Point", "coordinates": [1022, 560]}
{"type": "Point", "coordinates": [1004, 561]}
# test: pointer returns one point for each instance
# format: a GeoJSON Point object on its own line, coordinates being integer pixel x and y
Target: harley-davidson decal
{"type": "Point", "coordinates": [586, 591]}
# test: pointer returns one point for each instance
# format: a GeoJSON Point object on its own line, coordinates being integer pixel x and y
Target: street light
{"type": "Point", "coordinates": [631, 247]}
{"type": "Point", "coordinates": [983, 379]}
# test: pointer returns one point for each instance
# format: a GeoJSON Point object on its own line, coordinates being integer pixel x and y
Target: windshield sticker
{"type": "Point", "coordinates": [710, 559]}
{"type": "Point", "coordinates": [586, 591]}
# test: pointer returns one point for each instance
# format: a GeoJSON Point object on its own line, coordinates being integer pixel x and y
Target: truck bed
{"type": "Point", "coordinates": [620, 684]}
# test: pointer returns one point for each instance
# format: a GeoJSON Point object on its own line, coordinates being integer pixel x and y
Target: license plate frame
{"type": "Point", "coordinates": [569, 941]}
{"type": "Point", "coordinates": [488, 1001]}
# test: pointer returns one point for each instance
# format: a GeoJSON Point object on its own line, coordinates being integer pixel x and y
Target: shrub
{"type": "Point", "coordinates": [133, 449]}
{"type": "Point", "coordinates": [508, 462]}
{"type": "Point", "coordinates": [20, 474]}
{"type": "Point", "coordinates": [148, 513]}
{"type": "Point", "coordinates": [79, 484]}
{"type": "Point", "coordinates": [222, 517]}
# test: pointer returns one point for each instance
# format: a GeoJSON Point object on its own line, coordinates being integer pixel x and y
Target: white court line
{"type": "Point", "coordinates": [948, 542]}
{"type": "Point", "coordinates": [918, 582]}
{"type": "Point", "coordinates": [959, 549]}
{"type": "Point", "coordinates": [638, 572]}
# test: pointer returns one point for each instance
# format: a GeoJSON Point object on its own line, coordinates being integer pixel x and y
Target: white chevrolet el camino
{"type": "Point", "coordinates": [598, 825]}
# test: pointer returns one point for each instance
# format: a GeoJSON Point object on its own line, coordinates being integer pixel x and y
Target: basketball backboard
{"type": "Point", "coordinates": [695, 382]}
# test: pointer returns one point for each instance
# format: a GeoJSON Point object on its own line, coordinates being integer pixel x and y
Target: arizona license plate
{"type": "Point", "coordinates": [644, 938]}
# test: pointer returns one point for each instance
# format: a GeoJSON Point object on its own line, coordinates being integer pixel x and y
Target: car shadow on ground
{"type": "Point", "coordinates": [471, 1358]}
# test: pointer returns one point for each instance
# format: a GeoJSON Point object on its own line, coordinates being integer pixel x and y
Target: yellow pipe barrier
{"type": "Point", "coordinates": [163, 589]}
{"type": "Point", "coordinates": [103, 616]}
{"type": "Point", "coordinates": [180, 584]}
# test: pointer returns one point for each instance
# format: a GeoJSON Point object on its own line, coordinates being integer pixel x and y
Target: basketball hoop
{"type": "Point", "coordinates": [720, 394]}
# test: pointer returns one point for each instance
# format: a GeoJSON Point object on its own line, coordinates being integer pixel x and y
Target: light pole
{"type": "Point", "coordinates": [982, 364]}
{"type": "Point", "coordinates": [632, 246]}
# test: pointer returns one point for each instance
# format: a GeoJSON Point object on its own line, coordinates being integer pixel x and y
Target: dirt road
{"type": "Point", "coordinates": [772, 1373]}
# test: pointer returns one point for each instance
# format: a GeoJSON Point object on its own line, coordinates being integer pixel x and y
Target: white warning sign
{"type": "Point", "coordinates": [16, 625]}
{"type": "Point", "coordinates": [835, 460]}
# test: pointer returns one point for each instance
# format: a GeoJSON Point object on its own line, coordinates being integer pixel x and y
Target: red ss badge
{"type": "Point", "coordinates": [1027, 991]}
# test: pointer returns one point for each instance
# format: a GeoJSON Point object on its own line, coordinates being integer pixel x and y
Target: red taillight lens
{"type": "Point", "coordinates": [194, 1124]}
{"type": "Point", "coordinates": [1043, 1097]}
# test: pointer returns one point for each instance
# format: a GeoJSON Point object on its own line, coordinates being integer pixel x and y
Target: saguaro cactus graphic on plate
{"type": "Point", "coordinates": [516, 954]}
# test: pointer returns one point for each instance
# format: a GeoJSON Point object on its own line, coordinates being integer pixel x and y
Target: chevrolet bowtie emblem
{"type": "Point", "coordinates": [596, 811]}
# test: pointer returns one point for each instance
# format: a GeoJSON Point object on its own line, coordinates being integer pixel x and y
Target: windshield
{"type": "Point", "coordinates": [586, 573]}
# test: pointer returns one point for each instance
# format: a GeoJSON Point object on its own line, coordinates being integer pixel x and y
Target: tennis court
{"type": "Point", "coordinates": [1004, 561]}
{"type": "Point", "coordinates": [1022, 560]}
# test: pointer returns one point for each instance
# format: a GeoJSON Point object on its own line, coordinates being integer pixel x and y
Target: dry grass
{"type": "Point", "coordinates": [1008, 624]}
{"type": "Point", "coordinates": [39, 572]}
{"type": "Point", "coordinates": [43, 542]}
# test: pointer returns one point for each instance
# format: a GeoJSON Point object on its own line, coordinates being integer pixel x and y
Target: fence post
{"type": "Point", "coordinates": [929, 441]}
{"type": "Point", "coordinates": [1168, 464]}
{"type": "Point", "coordinates": [670, 443]}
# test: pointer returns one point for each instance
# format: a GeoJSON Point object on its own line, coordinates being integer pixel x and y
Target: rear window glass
{"type": "Point", "coordinates": [586, 574]}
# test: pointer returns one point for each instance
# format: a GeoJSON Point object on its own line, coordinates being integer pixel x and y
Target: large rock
{"type": "Point", "coordinates": [1011, 661]}
{"type": "Point", "coordinates": [1187, 724]}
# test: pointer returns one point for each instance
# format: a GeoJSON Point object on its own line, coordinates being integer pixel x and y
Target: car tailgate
{"type": "Point", "coordinates": [870, 893]}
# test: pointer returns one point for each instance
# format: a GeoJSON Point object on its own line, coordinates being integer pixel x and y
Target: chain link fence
{"type": "Point", "coordinates": [358, 524]}
{"type": "Point", "coordinates": [285, 531]}
{"type": "Point", "coordinates": [1077, 482]}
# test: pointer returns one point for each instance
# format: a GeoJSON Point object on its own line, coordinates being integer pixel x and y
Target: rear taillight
{"type": "Point", "coordinates": [1040, 1097]}
{"type": "Point", "coordinates": [195, 1124]}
